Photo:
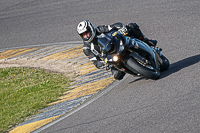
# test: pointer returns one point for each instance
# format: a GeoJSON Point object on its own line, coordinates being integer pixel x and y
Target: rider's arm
{"type": "Point", "coordinates": [107, 28]}
{"type": "Point", "coordinates": [117, 26]}
{"type": "Point", "coordinates": [95, 59]}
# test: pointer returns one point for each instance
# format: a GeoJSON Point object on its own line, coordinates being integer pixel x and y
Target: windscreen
{"type": "Point", "coordinates": [105, 42]}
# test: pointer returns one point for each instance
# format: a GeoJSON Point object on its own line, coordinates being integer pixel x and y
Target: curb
{"type": "Point", "coordinates": [66, 58]}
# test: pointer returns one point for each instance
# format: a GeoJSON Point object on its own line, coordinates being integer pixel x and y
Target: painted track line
{"type": "Point", "coordinates": [39, 45]}
{"type": "Point", "coordinates": [64, 57]}
{"type": "Point", "coordinates": [106, 90]}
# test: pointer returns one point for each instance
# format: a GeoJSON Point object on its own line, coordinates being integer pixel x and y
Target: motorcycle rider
{"type": "Point", "coordinates": [91, 49]}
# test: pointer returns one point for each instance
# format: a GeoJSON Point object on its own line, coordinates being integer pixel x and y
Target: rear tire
{"type": "Point", "coordinates": [148, 73]}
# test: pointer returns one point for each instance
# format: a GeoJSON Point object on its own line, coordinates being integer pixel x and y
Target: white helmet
{"type": "Point", "coordinates": [86, 27]}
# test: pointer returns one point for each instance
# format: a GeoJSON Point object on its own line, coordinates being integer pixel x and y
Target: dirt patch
{"type": "Point", "coordinates": [57, 66]}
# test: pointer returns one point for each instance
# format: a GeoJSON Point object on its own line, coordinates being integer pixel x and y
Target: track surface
{"type": "Point", "coordinates": [170, 104]}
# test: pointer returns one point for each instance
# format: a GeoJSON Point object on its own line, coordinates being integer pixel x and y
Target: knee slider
{"type": "Point", "coordinates": [119, 75]}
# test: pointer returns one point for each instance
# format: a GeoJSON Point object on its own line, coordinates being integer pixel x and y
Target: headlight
{"type": "Point", "coordinates": [115, 58]}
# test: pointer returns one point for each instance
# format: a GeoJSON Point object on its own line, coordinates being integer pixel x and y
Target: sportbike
{"type": "Point", "coordinates": [131, 55]}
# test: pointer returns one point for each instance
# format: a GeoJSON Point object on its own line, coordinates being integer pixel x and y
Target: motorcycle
{"type": "Point", "coordinates": [132, 55]}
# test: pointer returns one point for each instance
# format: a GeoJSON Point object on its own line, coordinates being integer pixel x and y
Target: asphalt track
{"type": "Point", "coordinates": [170, 104]}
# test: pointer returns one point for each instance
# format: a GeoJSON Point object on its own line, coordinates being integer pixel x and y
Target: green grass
{"type": "Point", "coordinates": [24, 91]}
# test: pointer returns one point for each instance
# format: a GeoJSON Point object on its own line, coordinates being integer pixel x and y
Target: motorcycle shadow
{"type": "Point", "coordinates": [177, 66]}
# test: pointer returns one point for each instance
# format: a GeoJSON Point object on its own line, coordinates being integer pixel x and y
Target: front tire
{"type": "Point", "coordinates": [165, 63]}
{"type": "Point", "coordinates": [133, 65]}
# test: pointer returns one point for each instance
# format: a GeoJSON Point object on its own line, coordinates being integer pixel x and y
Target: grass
{"type": "Point", "coordinates": [24, 91]}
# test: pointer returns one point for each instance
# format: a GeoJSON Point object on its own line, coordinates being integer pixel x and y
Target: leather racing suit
{"type": "Point", "coordinates": [92, 50]}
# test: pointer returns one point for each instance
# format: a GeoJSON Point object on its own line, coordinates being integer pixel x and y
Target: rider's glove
{"type": "Point", "coordinates": [100, 64]}
{"type": "Point", "coordinates": [123, 31]}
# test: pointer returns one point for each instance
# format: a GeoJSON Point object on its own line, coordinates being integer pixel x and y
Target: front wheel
{"type": "Point", "coordinates": [146, 71]}
{"type": "Point", "coordinates": [165, 63]}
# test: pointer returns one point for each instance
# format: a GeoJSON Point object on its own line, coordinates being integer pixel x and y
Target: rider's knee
{"type": "Point", "coordinates": [118, 75]}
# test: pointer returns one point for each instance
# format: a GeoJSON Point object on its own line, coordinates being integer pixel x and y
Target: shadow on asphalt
{"type": "Point", "coordinates": [177, 66]}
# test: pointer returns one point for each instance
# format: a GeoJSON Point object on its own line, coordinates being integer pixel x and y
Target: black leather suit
{"type": "Point", "coordinates": [92, 50]}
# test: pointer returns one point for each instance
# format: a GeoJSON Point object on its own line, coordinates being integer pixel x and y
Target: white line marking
{"type": "Point", "coordinates": [47, 44]}
{"type": "Point", "coordinates": [116, 82]}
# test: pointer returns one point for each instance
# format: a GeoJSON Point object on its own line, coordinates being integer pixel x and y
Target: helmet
{"type": "Point", "coordinates": [86, 30]}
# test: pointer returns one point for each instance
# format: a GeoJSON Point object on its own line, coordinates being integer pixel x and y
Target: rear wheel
{"type": "Point", "coordinates": [144, 70]}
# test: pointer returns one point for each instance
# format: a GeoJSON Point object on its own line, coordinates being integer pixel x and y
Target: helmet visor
{"type": "Point", "coordinates": [86, 35]}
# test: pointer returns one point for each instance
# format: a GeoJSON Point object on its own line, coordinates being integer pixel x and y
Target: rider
{"type": "Point", "coordinates": [91, 49]}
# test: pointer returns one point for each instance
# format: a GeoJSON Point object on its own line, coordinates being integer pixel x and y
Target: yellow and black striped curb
{"type": "Point", "coordinates": [66, 58]}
